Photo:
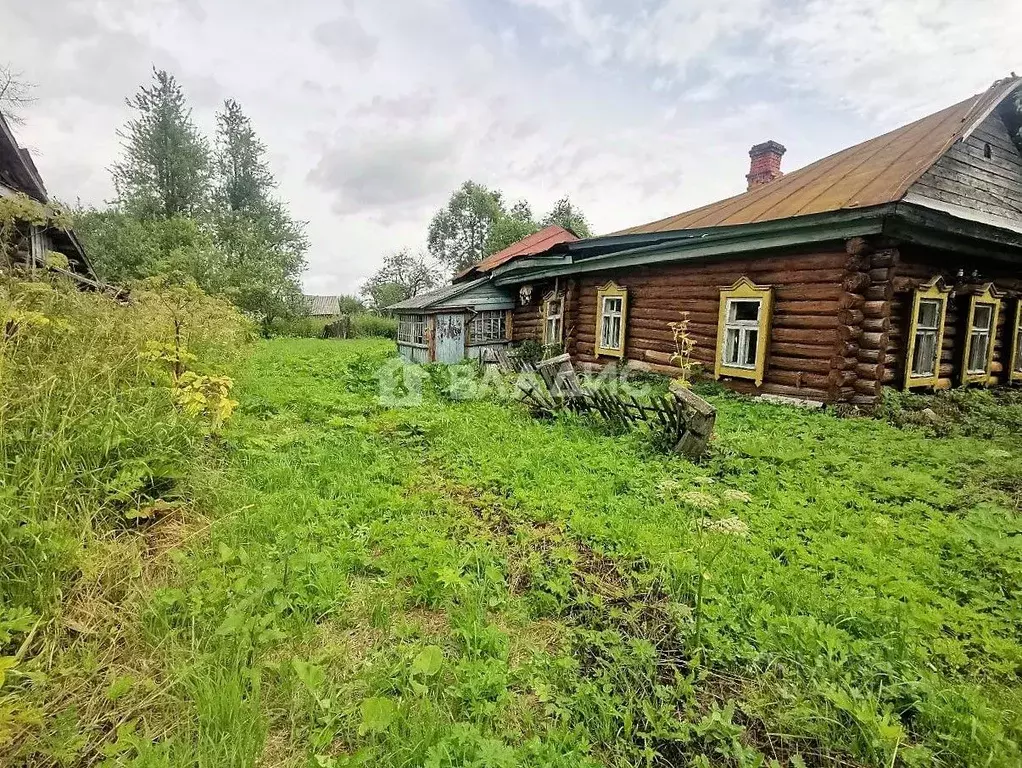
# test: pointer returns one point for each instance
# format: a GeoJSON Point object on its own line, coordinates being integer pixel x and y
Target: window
{"type": "Point", "coordinates": [743, 330]}
{"type": "Point", "coordinates": [611, 314]}
{"type": "Point", "coordinates": [978, 357]}
{"type": "Point", "coordinates": [741, 333]}
{"type": "Point", "coordinates": [926, 334]}
{"type": "Point", "coordinates": [488, 325]}
{"type": "Point", "coordinates": [1016, 347]}
{"type": "Point", "coordinates": [411, 329]}
{"type": "Point", "coordinates": [928, 322]}
{"type": "Point", "coordinates": [553, 319]}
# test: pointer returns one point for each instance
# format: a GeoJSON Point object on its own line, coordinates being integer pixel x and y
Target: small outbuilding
{"type": "Point", "coordinates": [454, 323]}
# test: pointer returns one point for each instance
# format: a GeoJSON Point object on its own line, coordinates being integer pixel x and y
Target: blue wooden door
{"type": "Point", "coordinates": [450, 338]}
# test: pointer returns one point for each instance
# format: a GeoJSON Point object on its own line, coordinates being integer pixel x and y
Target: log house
{"type": "Point", "coordinates": [896, 262]}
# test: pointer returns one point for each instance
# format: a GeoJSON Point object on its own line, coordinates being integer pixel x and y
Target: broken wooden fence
{"type": "Point", "coordinates": [685, 418]}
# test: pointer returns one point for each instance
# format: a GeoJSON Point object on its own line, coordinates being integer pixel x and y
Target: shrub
{"type": "Point", "coordinates": [366, 325]}
{"type": "Point", "coordinates": [105, 408]}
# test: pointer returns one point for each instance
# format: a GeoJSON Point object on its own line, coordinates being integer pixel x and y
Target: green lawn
{"type": "Point", "coordinates": [460, 584]}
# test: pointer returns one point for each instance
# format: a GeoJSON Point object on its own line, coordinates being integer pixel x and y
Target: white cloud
{"type": "Point", "coordinates": [374, 112]}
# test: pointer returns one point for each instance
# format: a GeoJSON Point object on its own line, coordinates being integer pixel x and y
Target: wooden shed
{"type": "Point", "coordinates": [454, 323]}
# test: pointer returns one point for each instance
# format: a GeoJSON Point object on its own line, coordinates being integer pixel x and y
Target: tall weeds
{"type": "Point", "coordinates": [92, 432]}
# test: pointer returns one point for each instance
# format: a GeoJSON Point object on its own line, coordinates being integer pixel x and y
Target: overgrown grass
{"type": "Point", "coordinates": [457, 583]}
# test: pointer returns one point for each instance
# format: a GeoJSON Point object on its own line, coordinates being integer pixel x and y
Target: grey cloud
{"type": "Point", "coordinates": [347, 40]}
{"type": "Point", "coordinates": [386, 175]}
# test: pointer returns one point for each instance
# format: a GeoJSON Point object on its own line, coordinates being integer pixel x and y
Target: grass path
{"type": "Point", "coordinates": [460, 584]}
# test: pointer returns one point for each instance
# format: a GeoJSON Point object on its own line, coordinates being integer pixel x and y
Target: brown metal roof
{"type": "Point", "coordinates": [875, 172]}
{"type": "Point", "coordinates": [535, 243]}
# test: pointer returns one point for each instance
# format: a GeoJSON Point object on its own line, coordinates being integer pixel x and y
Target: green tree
{"type": "Point", "coordinates": [569, 216]}
{"type": "Point", "coordinates": [124, 248]}
{"type": "Point", "coordinates": [243, 177]}
{"type": "Point", "coordinates": [164, 170]}
{"type": "Point", "coordinates": [350, 305]}
{"type": "Point", "coordinates": [264, 247]}
{"type": "Point", "coordinates": [459, 231]}
{"type": "Point", "coordinates": [507, 231]}
{"type": "Point", "coordinates": [402, 276]}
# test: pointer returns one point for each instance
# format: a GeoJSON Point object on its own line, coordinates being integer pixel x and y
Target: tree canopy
{"type": "Point", "coordinates": [568, 215]}
{"type": "Point", "coordinates": [184, 209]}
{"type": "Point", "coordinates": [403, 275]}
{"type": "Point", "coordinates": [164, 169]}
{"type": "Point", "coordinates": [459, 231]}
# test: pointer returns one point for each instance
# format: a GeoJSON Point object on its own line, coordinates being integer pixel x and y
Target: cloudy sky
{"type": "Point", "coordinates": [374, 110]}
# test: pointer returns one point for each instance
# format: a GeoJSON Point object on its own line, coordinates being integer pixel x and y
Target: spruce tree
{"type": "Point", "coordinates": [164, 169]}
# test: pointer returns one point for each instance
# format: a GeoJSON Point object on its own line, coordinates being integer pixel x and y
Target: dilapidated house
{"type": "Point", "coordinates": [464, 320]}
{"type": "Point", "coordinates": [895, 262]}
{"type": "Point", "coordinates": [31, 243]}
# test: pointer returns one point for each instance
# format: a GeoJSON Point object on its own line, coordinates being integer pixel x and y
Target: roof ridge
{"type": "Point", "coordinates": [875, 171]}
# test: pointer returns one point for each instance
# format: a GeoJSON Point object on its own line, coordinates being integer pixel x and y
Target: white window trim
{"type": "Point", "coordinates": [482, 325]}
{"type": "Point", "coordinates": [408, 329]}
{"type": "Point", "coordinates": [928, 330]}
{"type": "Point", "coordinates": [558, 316]}
{"type": "Point", "coordinates": [611, 291]}
{"type": "Point", "coordinates": [744, 328]}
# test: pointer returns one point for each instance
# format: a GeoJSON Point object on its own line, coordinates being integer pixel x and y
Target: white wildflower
{"type": "Point", "coordinates": [731, 526]}
{"type": "Point", "coordinates": [735, 496]}
{"type": "Point", "coordinates": [700, 500]}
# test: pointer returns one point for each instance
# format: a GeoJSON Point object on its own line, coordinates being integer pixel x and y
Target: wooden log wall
{"type": "Point", "coordinates": [918, 266]}
{"type": "Point", "coordinates": [840, 324]}
{"type": "Point", "coordinates": [817, 319]}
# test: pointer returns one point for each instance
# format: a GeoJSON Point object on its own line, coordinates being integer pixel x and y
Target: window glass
{"type": "Point", "coordinates": [744, 311]}
{"type": "Point", "coordinates": [610, 337]}
{"type": "Point", "coordinates": [929, 313]}
{"type": "Point", "coordinates": [925, 353]}
{"type": "Point", "coordinates": [411, 329]}
{"type": "Point", "coordinates": [489, 325]}
{"type": "Point", "coordinates": [1018, 349]}
{"type": "Point", "coordinates": [979, 338]}
{"type": "Point", "coordinates": [741, 333]}
{"type": "Point", "coordinates": [983, 315]}
{"type": "Point", "coordinates": [554, 310]}
{"type": "Point", "coordinates": [924, 358]}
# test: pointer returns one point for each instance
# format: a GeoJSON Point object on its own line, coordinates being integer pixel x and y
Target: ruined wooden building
{"type": "Point", "coordinates": [895, 262]}
{"type": "Point", "coordinates": [29, 244]}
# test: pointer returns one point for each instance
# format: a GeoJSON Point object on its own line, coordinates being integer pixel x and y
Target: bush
{"type": "Point", "coordinates": [105, 409]}
{"type": "Point", "coordinates": [366, 325]}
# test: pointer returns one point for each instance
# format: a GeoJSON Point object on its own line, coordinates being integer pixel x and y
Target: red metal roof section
{"type": "Point", "coordinates": [874, 172]}
{"type": "Point", "coordinates": [535, 243]}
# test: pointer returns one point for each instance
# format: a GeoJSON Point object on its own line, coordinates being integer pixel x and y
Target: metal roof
{"type": "Point", "coordinates": [527, 246]}
{"type": "Point", "coordinates": [323, 305]}
{"type": "Point", "coordinates": [444, 293]}
{"type": "Point", "coordinates": [874, 172]}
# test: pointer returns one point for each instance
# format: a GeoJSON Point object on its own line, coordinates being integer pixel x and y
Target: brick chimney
{"type": "Point", "coordinates": [766, 163]}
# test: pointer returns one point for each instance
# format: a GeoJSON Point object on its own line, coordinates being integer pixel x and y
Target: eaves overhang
{"type": "Point", "coordinates": [626, 251]}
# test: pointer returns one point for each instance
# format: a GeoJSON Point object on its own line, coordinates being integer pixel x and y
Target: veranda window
{"type": "Point", "coordinates": [489, 325]}
{"type": "Point", "coordinates": [411, 329]}
{"type": "Point", "coordinates": [929, 317]}
{"type": "Point", "coordinates": [611, 316]}
{"type": "Point", "coordinates": [553, 319]}
{"type": "Point", "coordinates": [741, 333]}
